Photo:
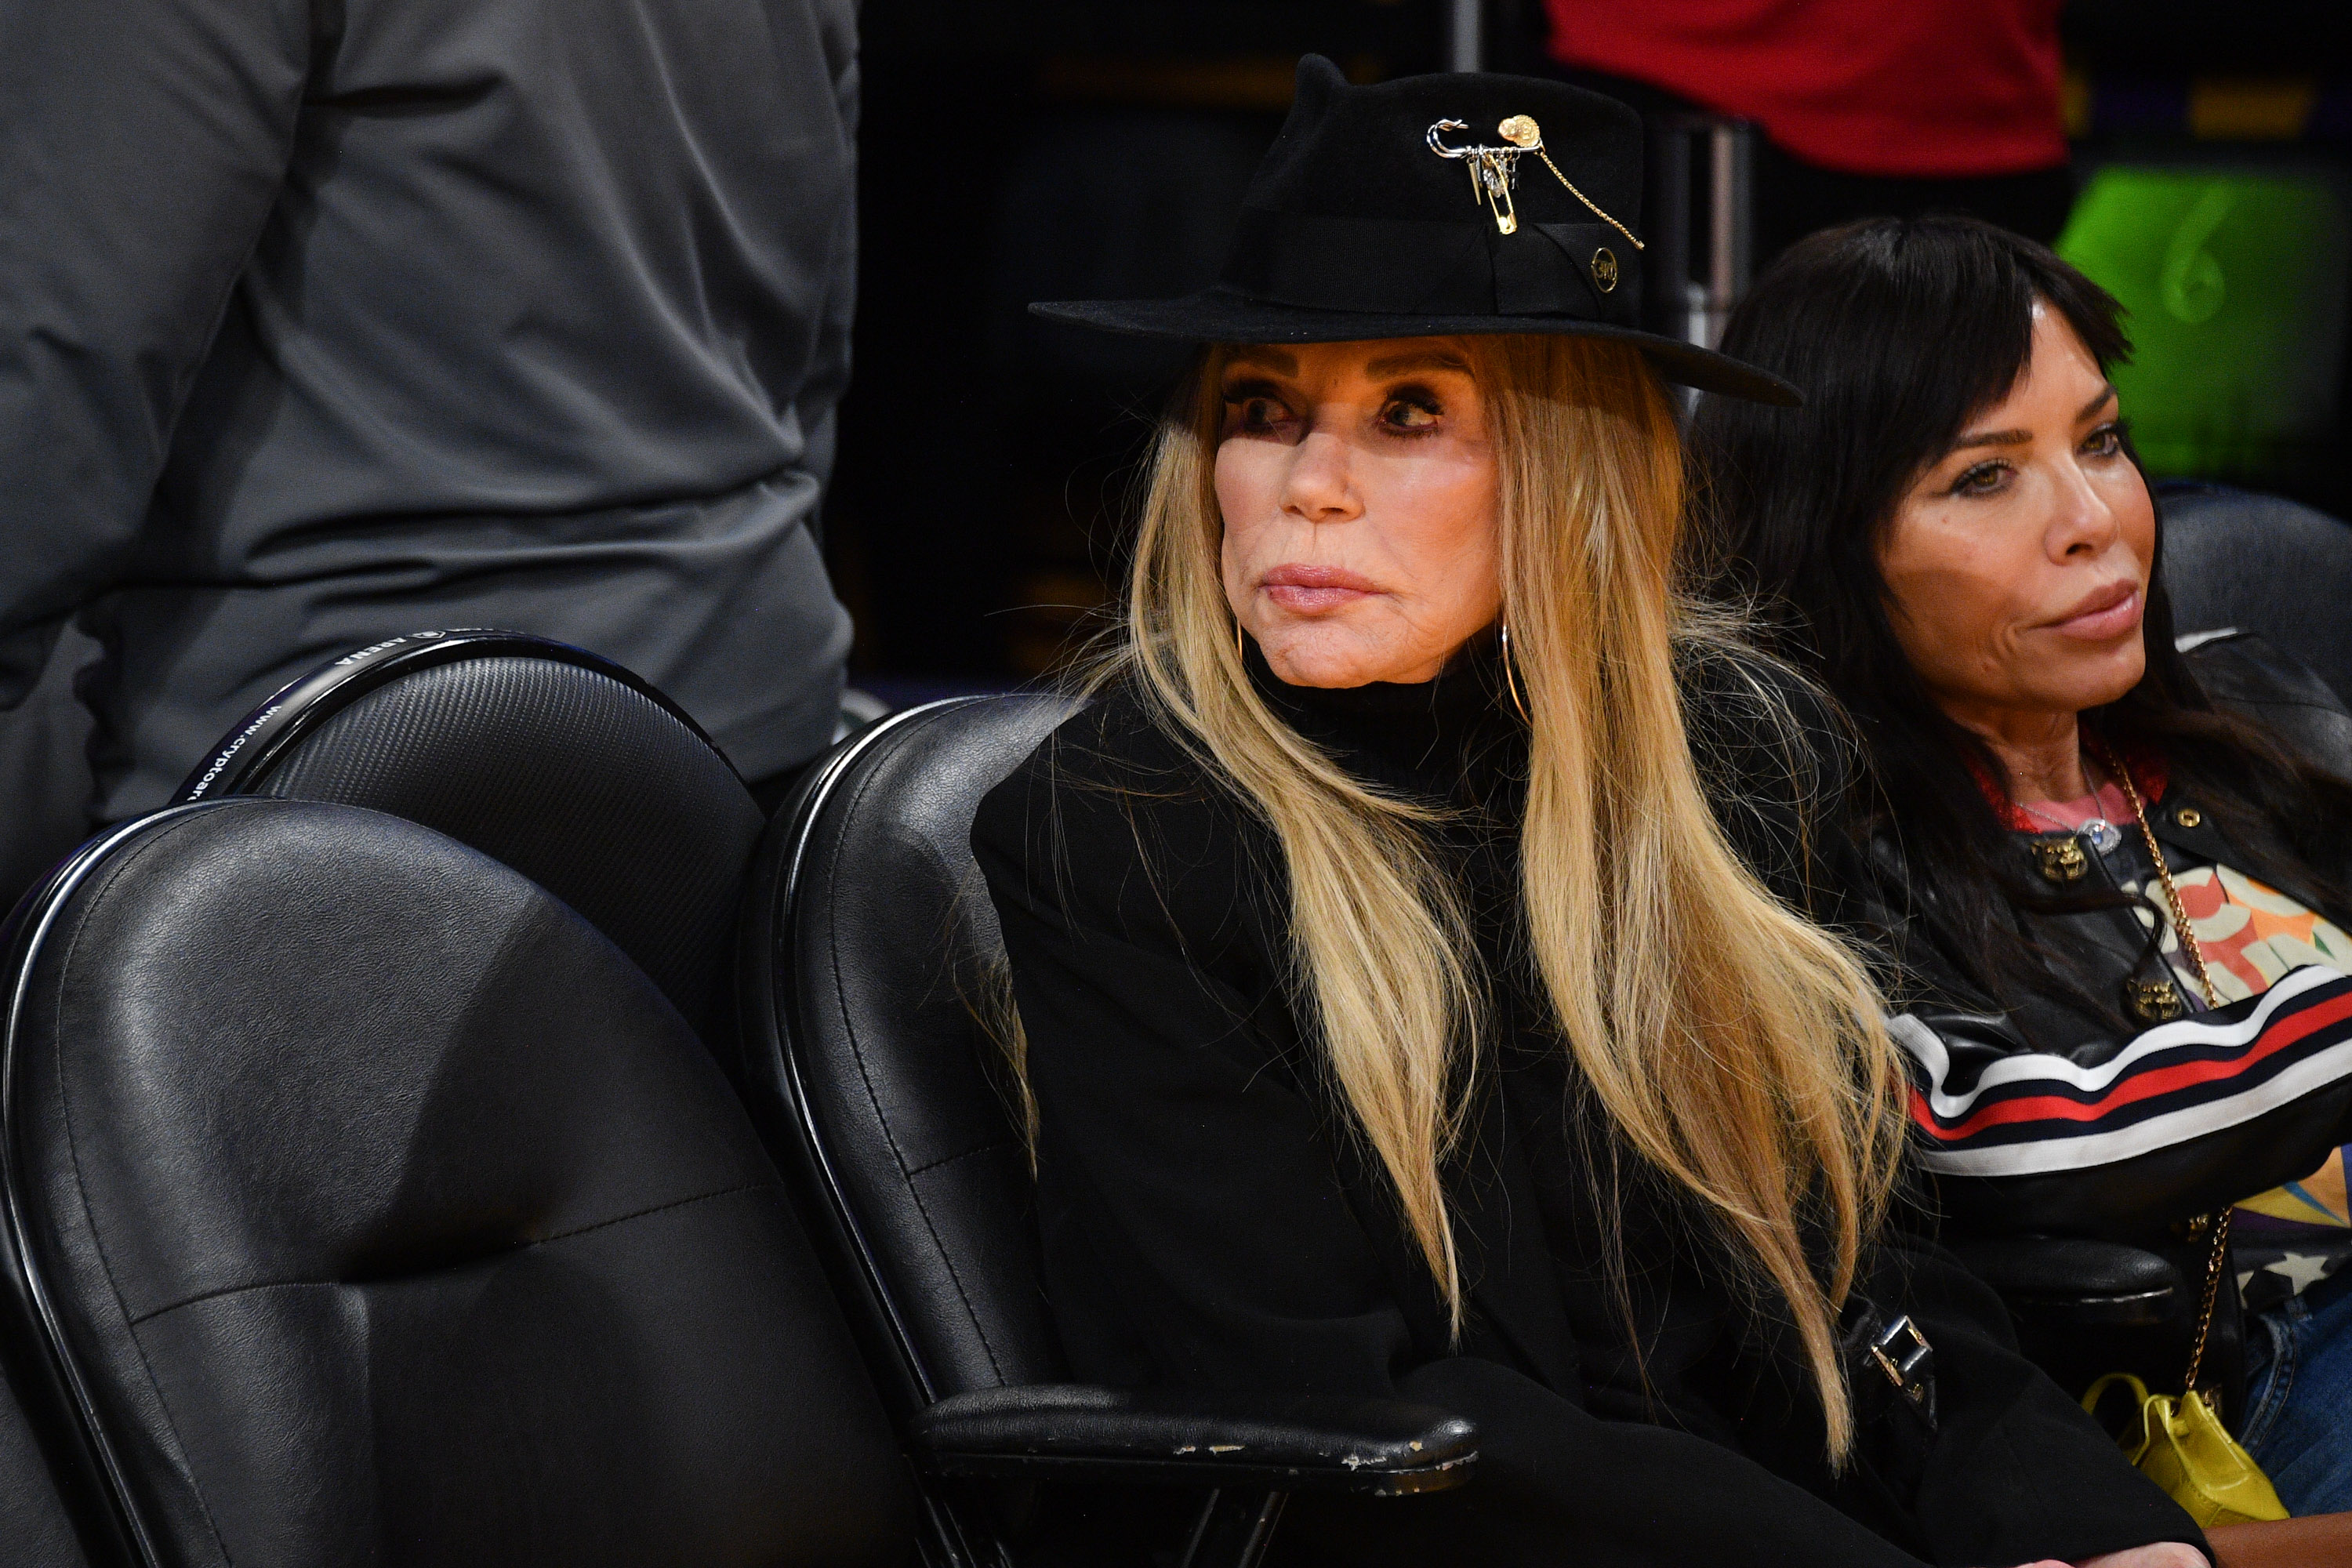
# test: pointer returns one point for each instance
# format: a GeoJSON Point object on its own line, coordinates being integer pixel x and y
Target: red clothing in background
{"type": "Point", "coordinates": [1910, 88]}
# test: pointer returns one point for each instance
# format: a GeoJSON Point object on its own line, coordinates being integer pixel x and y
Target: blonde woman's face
{"type": "Point", "coordinates": [1357, 486]}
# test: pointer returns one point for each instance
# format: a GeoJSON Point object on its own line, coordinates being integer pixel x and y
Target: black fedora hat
{"type": "Point", "coordinates": [1436, 206]}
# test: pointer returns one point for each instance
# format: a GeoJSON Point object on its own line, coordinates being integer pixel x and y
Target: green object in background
{"type": "Point", "coordinates": [2236, 283]}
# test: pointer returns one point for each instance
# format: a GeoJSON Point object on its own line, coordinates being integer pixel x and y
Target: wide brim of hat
{"type": "Point", "coordinates": [1217, 316]}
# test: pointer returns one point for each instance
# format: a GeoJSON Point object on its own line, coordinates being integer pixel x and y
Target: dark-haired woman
{"type": "Point", "coordinates": [1954, 535]}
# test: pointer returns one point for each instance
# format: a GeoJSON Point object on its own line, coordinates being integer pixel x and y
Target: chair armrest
{"type": "Point", "coordinates": [2073, 1279]}
{"type": "Point", "coordinates": [1379, 1447]}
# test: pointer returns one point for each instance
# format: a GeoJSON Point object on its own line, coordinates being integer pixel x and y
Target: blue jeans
{"type": "Point", "coordinates": [2299, 1397]}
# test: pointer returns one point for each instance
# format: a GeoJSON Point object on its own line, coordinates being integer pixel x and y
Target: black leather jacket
{"type": "Point", "coordinates": [2102, 950]}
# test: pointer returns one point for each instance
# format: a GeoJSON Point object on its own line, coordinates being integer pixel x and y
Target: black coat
{"type": "Point", "coordinates": [1208, 1220]}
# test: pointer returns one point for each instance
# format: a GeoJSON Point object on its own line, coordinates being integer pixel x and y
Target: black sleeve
{"type": "Point", "coordinates": [2017, 1470]}
{"type": "Point", "coordinates": [146, 143]}
{"type": "Point", "coordinates": [1197, 1181]}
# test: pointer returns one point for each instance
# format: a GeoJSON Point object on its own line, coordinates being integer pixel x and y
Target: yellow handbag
{"type": "Point", "coordinates": [2181, 1445]}
{"type": "Point", "coordinates": [2179, 1442]}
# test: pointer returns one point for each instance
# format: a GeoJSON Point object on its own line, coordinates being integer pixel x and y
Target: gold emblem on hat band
{"type": "Point", "coordinates": [1495, 169]}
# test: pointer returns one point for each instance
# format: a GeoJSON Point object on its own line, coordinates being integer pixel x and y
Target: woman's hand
{"type": "Point", "coordinates": [2163, 1554]}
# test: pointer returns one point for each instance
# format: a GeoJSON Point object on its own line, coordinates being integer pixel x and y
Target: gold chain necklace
{"type": "Point", "coordinates": [2181, 928]}
{"type": "Point", "coordinates": [2188, 944]}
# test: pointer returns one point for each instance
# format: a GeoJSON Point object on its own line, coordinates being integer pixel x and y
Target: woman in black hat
{"type": "Point", "coordinates": [1397, 1017]}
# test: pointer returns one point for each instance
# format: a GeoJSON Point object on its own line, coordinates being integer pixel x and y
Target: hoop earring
{"type": "Point", "coordinates": [1240, 657]}
{"type": "Point", "coordinates": [1511, 681]}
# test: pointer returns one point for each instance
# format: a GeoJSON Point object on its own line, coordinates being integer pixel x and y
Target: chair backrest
{"type": "Point", "coordinates": [542, 756]}
{"type": "Point", "coordinates": [2261, 563]}
{"type": "Point", "coordinates": [869, 943]}
{"type": "Point", "coordinates": [369, 1207]}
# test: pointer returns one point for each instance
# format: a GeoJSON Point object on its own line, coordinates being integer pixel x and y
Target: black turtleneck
{"type": "Point", "coordinates": [1209, 1219]}
{"type": "Point", "coordinates": [1455, 740]}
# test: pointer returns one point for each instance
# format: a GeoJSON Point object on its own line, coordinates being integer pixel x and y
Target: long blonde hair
{"type": "Point", "coordinates": [1735, 1047]}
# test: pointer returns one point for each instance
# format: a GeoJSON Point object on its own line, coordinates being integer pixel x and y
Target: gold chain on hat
{"type": "Point", "coordinates": [1494, 170]}
{"type": "Point", "coordinates": [1521, 130]}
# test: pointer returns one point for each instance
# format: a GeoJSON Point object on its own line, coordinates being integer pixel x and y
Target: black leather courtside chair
{"type": "Point", "coordinates": [867, 938]}
{"type": "Point", "coordinates": [2263, 564]}
{"type": "Point", "coordinates": [364, 1204]}
{"type": "Point", "coordinates": [545, 757]}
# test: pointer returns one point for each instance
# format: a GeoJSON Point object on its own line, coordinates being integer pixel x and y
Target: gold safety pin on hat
{"type": "Point", "coordinates": [1494, 171]}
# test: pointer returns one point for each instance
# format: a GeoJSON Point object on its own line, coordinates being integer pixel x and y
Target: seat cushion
{"type": "Point", "coordinates": [389, 1216]}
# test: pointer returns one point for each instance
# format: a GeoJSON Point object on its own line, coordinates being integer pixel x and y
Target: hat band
{"type": "Point", "coordinates": [1422, 267]}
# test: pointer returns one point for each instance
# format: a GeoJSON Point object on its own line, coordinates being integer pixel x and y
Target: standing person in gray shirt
{"type": "Point", "coordinates": [325, 321]}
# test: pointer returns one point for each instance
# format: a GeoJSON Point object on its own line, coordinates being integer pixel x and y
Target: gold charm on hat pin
{"type": "Point", "coordinates": [1495, 169]}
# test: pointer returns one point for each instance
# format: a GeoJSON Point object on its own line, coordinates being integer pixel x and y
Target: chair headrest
{"type": "Point", "coordinates": [556, 762]}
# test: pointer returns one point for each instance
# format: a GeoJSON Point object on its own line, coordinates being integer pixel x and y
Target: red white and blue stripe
{"type": "Point", "coordinates": [2036, 1113]}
